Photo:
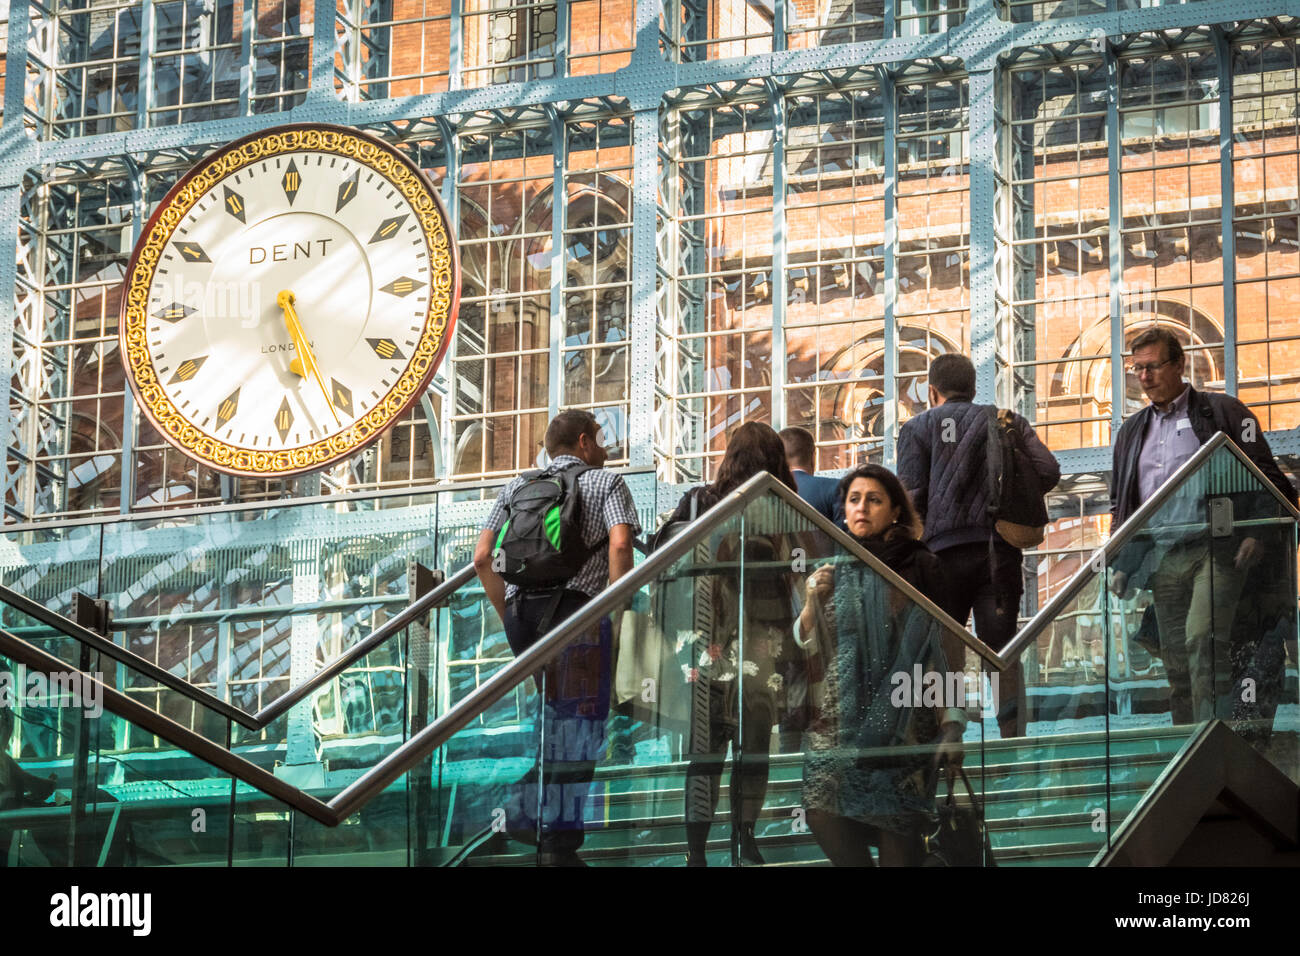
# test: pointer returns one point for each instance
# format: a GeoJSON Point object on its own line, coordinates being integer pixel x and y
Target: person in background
{"type": "Point", "coordinates": [943, 464]}
{"type": "Point", "coordinates": [713, 659]}
{"type": "Point", "coordinates": [820, 492]}
{"type": "Point", "coordinates": [1195, 582]}
{"type": "Point", "coordinates": [869, 762]}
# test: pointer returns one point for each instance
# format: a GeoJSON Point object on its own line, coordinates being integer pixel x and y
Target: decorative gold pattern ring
{"type": "Point", "coordinates": [440, 318]}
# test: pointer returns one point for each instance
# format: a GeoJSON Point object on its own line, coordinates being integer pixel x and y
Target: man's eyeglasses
{"type": "Point", "coordinates": [1151, 367]}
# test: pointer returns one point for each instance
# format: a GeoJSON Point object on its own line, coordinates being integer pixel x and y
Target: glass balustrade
{"type": "Point", "coordinates": [764, 692]}
{"type": "Point", "coordinates": [1187, 615]}
{"type": "Point", "coordinates": [679, 730]}
{"type": "Point", "coordinates": [81, 786]}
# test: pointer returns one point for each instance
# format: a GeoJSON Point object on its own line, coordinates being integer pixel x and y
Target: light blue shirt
{"type": "Point", "coordinates": [1168, 443]}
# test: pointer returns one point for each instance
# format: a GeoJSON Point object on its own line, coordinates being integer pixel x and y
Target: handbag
{"type": "Point", "coordinates": [1148, 632]}
{"type": "Point", "coordinates": [640, 656]}
{"type": "Point", "coordinates": [956, 835]}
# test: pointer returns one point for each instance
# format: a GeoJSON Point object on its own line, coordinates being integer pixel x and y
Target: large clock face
{"type": "Point", "coordinates": [290, 297]}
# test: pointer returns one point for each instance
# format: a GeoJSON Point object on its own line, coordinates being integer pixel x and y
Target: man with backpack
{"type": "Point", "coordinates": [972, 492]}
{"type": "Point", "coordinates": [553, 540]}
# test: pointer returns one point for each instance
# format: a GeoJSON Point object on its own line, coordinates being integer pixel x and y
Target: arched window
{"type": "Point", "coordinates": [1090, 381]}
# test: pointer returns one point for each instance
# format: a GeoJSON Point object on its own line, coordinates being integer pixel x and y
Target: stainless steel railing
{"type": "Point", "coordinates": [394, 625]}
{"type": "Point", "coordinates": [1119, 537]}
{"type": "Point", "coordinates": [424, 742]}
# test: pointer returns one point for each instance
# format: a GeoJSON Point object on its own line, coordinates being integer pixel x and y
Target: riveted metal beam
{"type": "Point", "coordinates": [780, 274]}
{"type": "Point", "coordinates": [1227, 206]}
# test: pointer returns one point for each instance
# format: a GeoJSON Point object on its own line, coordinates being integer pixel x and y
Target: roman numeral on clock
{"type": "Point", "coordinates": [234, 204]}
{"type": "Point", "coordinates": [228, 408]}
{"type": "Point", "coordinates": [403, 286]}
{"type": "Point", "coordinates": [174, 312]}
{"type": "Point", "coordinates": [386, 348]}
{"type": "Point", "coordinates": [348, 190]}
{"type": "Point", "coordinates": [191, 252]}
{"type": "Point", "coordinates": [387, 229]}
{"type": "Point", "coordinates": [342, 396]}
{"type": "Point", "coordinates": [291, 182]}
{"type": "Point", "coordinates": [284, 419]}
{"type": "Point", "coordinates": [187, 370]}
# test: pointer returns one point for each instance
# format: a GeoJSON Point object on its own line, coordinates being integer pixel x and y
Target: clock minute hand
{"type": "Point", "coordinates": [285, 300]}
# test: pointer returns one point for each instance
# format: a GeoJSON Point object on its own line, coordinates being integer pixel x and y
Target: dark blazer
{"type": "Point", "coordinates": [1209, 412]}
{"type": "Point", "coordinates": [822, 493]}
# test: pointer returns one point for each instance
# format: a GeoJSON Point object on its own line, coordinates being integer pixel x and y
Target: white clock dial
{"type": "Point", "coordinates": [292, 304]}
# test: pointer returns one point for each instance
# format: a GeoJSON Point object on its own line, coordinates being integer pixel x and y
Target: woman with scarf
{"type": "Point", "coordinates": [871, 750]}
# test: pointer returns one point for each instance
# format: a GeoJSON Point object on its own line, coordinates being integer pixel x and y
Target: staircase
{"type": "Point", "coordinates": [1042, 796]}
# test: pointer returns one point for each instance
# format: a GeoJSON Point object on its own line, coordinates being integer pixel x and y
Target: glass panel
{"type": "Point", "coordinates": [488, 802]}
{"type": "Point", "coordinates": [1157, 640]}
{"type": "Point", "coordinates": [466, 795]}
{"type": "Point", "coordinates": [845, 684]}
{"type": "Point", "coordinates": [122, 676]}
{"type": "Point", "coordinates": [230, 601]}
{"type": "Point", "coordinates": [1181, 613]}
{"type": "Point", "coordinates": [361, 717]}
{"type": "Point", "coordinates": [142, 801]}
{"type": "Point", "coordinates": [49, 566]}
{"type": "Point", "coordinates": [657, 783]}
{"type": "Point", "coordinates": [1047, 779]}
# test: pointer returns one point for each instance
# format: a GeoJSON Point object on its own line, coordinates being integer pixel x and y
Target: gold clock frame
{"type": "Point", "coordinates": [435, 336]}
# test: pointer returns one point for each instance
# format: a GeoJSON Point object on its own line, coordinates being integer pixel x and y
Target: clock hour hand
{"type": "Point", "coordinates": [285, 300]}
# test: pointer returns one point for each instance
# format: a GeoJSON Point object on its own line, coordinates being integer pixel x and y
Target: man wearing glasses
{"type": "Point", "coordinates": [1195, 579]}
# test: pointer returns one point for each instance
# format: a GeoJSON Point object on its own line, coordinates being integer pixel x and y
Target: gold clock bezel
{"type": "Point", "coordinates": [435, 335]}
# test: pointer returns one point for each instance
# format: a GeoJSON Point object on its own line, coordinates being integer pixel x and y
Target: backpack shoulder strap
{"type": "Point", "coordinates": [570, 475]}
{"type": "Point", "coordinates": [994, 455]}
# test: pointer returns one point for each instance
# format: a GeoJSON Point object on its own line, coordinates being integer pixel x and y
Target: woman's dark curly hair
{"type": "Point", "coordinates": [753, 447]}
{"type": "Point", "coordinates": [909, 523]}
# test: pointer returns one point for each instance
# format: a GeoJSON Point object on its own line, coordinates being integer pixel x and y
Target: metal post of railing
{"type": "Point", "coordinates": [419, 674]}
{"type": "Point", "coordinates": [91, 613]}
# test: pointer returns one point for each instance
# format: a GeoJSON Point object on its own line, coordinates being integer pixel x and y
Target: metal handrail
{"type": "Point", "coordinates": [612, 599]}
{"type": "Point", "coordinates": [97, 642]}
{"type": "Point", "coordinates": [413, 611]}
{"type": "Point", "coordinates": [850, 544]}
{"type": "Point", "coordinates": [1100, 558]}
{"type": "Point", "coordinates": [119, 704]}
{"type": "Point", "coordinates": [263, 717]}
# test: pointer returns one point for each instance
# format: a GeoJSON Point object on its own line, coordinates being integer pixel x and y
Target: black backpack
{"type": "Point", "coordinates": [540, 545]}
{"type": "Point", "coordinates": [1016, 502]}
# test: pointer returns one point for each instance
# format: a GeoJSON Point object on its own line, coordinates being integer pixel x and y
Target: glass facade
{"type": "Point", "coordinates": [811, 234]}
